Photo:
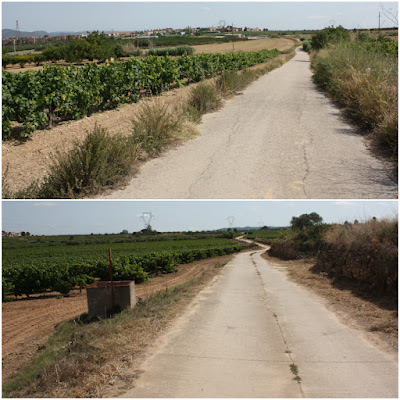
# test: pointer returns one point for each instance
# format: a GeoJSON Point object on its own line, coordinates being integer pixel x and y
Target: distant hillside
{"type": "Point", "coordinates": [10, 33]}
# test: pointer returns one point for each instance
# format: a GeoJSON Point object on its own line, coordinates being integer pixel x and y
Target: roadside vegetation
{"type": "Point", "coordinates": [363, 253]}
{"type": "Point", "coordinates": [82, 359]}
{"type": "Point", "coordinates": [362, 75]}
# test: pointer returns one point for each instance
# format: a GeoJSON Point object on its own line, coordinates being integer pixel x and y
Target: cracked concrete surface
{"type": "Point", "coordinates": [282, 138]}
{"type": "Point", "coordinates": [242, 333]}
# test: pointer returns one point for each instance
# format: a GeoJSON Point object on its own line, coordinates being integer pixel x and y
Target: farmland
{"type": "Point", "coordinates": [36, 266]}
{"type": "Point", "coordinates": [37, 98]}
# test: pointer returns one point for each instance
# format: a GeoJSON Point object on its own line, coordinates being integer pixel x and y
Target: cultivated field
{"type": "Point", "coordinates": [248, 45]}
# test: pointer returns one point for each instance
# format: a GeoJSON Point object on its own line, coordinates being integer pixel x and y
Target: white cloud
{"type": "Point", "coordinates": [206, 9]}
{"type": "Point", "coordinates": [45, 204]}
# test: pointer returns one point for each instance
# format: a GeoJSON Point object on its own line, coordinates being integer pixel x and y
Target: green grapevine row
{"type": "Point", "coordinates": [37, 98]}
{"type": "Point", "coordinates": [61, 275]}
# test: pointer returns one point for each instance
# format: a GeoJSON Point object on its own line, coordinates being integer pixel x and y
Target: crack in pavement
{"type": "Point", "coordinates": [223, 358]}
{"type": "Point", "coordinates": [288, 351]}
{"type": "Point", "coordinates": [214, 155]}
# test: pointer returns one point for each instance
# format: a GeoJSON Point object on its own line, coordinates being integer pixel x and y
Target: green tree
{"type": "Point", "coordinates": [329, 35]}
{"type": "Point", "coordinates": [305, 221]}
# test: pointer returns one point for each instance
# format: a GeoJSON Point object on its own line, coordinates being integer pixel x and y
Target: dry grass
{"type": "Point", "coordinates": [366, 83]}
{"type": "Point", "coordinates": [81, 358]}
{"type": "Point", "coordinates": [371, 230]}
{"type": "Point", "coordinates": [155, 126]}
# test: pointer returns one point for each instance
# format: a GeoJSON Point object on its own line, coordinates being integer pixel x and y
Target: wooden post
{"type": "Point", "coordinates": [112, 281]}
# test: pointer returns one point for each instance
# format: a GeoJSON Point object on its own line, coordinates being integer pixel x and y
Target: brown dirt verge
{"type": "Point", "coordinates": [23, 162]}
{"type": "Point", "coordinates": [378, 324]}
{"type": "Point", "coordinates": [27, 323]}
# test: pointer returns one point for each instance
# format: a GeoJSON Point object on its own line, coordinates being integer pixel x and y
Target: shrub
{"type": "Point", "coordinates": [307, 45]}
{"type": "Point", "coordinates": [329, 36]}
{"type": "Point", "coordinates": [202, 99]}
{"type": "Point", "coordinates": [366, 253]}
{"type": "Point", "coordinates": [98, 161]}
{"type": "Point", "coordinates": [172, 51]}
{"type": "Point", "coordinates": [155, 126]}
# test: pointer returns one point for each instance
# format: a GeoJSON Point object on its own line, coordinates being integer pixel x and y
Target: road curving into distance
{"type": "Point", "coordinates": [281, 138]}
{"type": "Point", "coordinates": [241, 335]}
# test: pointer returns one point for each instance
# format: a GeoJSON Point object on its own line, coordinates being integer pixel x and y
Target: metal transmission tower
{"type": "Point", "coordinates": [17, 34]}
{"type": "Point", "coordinates": [146, 216]}
{"type": "Point", "coordinates": [230, 221]}
{"type": "Point", "coordinates": [222, 23]}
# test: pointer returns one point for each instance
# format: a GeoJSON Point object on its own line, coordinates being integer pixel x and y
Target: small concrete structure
{"type": "Point", "coordinates": [99, 297]}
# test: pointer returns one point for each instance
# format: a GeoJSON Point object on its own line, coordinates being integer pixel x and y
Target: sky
{"type": "Point", "coordinates": [85, 217]}
{"type": "Point", "coordinates": [129, 16]}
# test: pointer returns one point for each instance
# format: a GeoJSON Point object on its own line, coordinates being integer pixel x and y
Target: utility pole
{"type": "Point", "coordinates": [233, 41]}
{"type": "Point", "coordinates": [379, 24]}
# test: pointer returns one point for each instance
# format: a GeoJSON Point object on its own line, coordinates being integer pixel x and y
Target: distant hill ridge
{"type": "Point", "coordinates": [10, 33]}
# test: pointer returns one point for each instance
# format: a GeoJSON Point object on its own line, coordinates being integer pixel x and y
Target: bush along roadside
{"type": "Point", "coordinates": [362, 75]}
{"type": "Point", "coordinates": [364, 253]}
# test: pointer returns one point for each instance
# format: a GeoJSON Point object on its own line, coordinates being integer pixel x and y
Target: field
{"type": "Point", "coordinates": [37, 99]}
{"type": "Point", "coordinates": [216, 47]}
{"type": "Point", "coordinates": [248, 45]}
{"type": "Point", "coordinates": [38, 265]}
{"type": "Point", "coordinates": [265, 235]}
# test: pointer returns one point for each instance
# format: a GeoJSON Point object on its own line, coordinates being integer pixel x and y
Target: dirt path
{"type": "Point", "coordinates": [282, 138]}
{"type": "Point", "coordinates": [27, 323]}
{"type": "Point", "coordinates": [245, 336]}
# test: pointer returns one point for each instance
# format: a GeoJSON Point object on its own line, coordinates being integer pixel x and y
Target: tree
{"type": "Point", "coordinates": [329, 35]}
{"type": "Point", "coordinates": [306, 220]}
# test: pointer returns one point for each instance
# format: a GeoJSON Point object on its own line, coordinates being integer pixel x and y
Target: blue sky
{"type": "Point", "coordinates": [84, 217]}
{"type": "Point", "coordinates": [88, 16]}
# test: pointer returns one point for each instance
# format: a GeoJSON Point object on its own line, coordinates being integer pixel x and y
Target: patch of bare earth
{"type": "Point", "coordinates": [375, 318]}
{"type": "Point", "coordinates": [248, 45]}
{"type": "Point", "coordinates": [27, 323]}
{"type": "Point", "coordinates": [24, 162]}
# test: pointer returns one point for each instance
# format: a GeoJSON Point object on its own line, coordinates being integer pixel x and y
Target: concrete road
{"type": "Point", "coordinates": [282, 138]}
{"type": "Point", "coordinates": [244, 331]}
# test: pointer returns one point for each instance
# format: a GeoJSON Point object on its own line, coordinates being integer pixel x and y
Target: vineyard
{"type": "Point", "coordinates": [39, 98]}
{"type": "Point", "coordinates": [34, 267]}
